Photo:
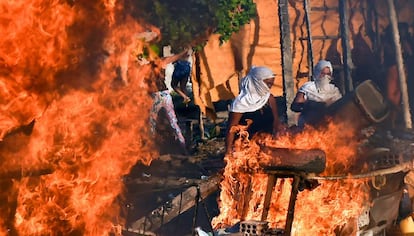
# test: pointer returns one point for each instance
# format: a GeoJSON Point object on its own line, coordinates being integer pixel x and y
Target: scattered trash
{"type": "Point", "coordinates": [200, 232]}
{"type": "Point", "coordinates": [146, 175]}
{"type": "Point", "coordinates": [226, 231]}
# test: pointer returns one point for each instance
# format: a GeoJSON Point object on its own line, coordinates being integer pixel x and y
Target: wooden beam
{"type": "Point", "coordinates": [286, 58]}
{"type": "Point", "coordinates": [307, 10]}
{"type": "Point", "coordinates": [346, 48]}
{"type": "Point", "coordinates": [321, 37]}
{"type": "Point", "coordinates": [400, 64]}
{"type": "Point", "coordinates": [180, 204]}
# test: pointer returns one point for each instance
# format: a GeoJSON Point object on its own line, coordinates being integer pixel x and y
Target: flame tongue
{"type": "Point", "coordinates": [317, 212]}
{"type": "Point", "coordinates": [58, 68]}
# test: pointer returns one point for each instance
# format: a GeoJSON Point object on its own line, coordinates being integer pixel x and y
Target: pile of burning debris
{"type": "Point", "coordinates": [352, 170]}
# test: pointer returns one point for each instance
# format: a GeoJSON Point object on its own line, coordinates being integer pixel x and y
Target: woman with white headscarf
{"type": "Point", "coordinates": [314, 96]}
{"type": "Point", "coordinates": [254, 103]}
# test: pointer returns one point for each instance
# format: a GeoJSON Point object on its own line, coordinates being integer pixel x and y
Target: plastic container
{"type": "Point", "coordinates": [364, 106]}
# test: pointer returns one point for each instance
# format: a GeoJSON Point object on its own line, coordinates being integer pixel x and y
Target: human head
{"type": "Point", "coordinates": [262, 73]}
{"type": "Point", "coordinates": [321, 69]}
{"type": "Point", "coordinates": [254, 90]}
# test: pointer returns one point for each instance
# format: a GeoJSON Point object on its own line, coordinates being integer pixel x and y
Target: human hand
{"type": "Point", "coordinates": [186, 100]}
{"type": "Point", "coordinates": [190, 51]}
{"type": "Point", "coordinates": [279, 128]}
{"type": "Point", "coordinates": [330, 101]}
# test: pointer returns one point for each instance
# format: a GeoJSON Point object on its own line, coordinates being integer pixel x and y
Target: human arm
{"type": "Point", "coordinates": [393, 87]}
{"type": "Point", "coordinates": [234, 119]}
{"type": "Point", "coordinates": [170, 59]}
{"type": "Point", "coordinates": [276, 120]}
{"type": "Point", "coordinates": [179, 87]}
{"type": "Point", "coordinates": [298, 103]}
{"type": "Point", "coordinates": [335, 97]}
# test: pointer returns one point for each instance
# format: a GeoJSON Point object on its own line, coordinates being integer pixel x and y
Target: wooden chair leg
{"type": "Point", "coordinates": [292, 201]}
{"type": "Point", "coordinates": [271, 182]}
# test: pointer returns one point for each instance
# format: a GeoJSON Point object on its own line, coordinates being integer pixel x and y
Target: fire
{"type": "Point", "coordinates": [320, 211]}
{"type": "Point", "coordinates": [74, 104]}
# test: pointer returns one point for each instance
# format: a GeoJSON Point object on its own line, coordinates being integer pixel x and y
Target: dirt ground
{"type": "Point", "coordinates": [149, 187]}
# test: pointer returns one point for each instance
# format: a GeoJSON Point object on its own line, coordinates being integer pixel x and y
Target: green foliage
{"type": "Point", "coordinates": [233, 14]}
{"type": "Point", "coordinates": [185, 22]}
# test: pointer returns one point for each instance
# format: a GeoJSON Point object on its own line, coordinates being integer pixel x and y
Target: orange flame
{"type": "Point", "coordinates": [320, 211]}
{"type": "Point", "coordinates": [73, 101]}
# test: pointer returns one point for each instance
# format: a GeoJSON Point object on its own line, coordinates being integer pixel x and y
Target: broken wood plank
{"type": "Point", "coordinates": [155, 184]}
{"type": "Point", "coordinates": [177, 206]}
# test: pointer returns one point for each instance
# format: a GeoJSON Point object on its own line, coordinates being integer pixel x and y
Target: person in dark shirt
{"type": "Point", "coordinates": [180, 76]}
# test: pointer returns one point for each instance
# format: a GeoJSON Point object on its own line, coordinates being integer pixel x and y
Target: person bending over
{"type": "Point", "coordinates": [255, 103]}
{"type": "Point", "coordinates": [162, 98]}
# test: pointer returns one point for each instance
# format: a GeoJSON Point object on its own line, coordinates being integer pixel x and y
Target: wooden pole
{"type": "Point", "coordinates": [400, 64]}
{"type": "Point", "coordinates": [306, 8]}
{"type": "Point", "coordinates": [285, 42]}
{"type": "Point", "coordinates": [346, 48]}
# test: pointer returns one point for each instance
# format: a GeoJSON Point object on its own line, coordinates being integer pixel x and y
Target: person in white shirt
{"type": "Point", "coordinates": [314, 96]}
{"type": "Point", "coordinates": [255, 103]}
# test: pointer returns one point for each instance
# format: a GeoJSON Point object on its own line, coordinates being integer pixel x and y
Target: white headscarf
{"type": "Point", "coordinates": [321, 89]}
{"type": "Point", "coordinates": [322, 83]}
{"type": "Point", "coordinates": [319, 67]}
{"type": "Point", "coordinates": [254, 93]}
